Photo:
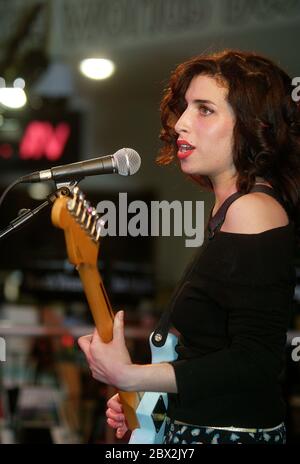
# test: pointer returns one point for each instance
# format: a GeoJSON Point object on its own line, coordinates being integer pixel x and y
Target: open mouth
{"type": "Point", "coordinates": [184, 146]}
{"type": "Point", "coordinates": [184, 149]}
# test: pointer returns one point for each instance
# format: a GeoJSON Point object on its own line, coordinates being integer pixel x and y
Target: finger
{"type": "Point", "coordinates": [85, 343]}
{"type": "Point", "coordinates": [118, 330]}
{"type": "Point", "coordinates": [86, 337]}
{"type": "Point", "coordinates": [114, 424]}
{"type": "Point", "coordinates": [115, 398]}
{"type": "Point", "coordinates": [114, 404]}
{"type": "Point", "coordinates": [116, 416]}
{"type": "Point", "coordinates": [121, 431]}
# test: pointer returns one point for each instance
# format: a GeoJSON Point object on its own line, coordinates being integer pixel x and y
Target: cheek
{"type": "Point", "coordinates": [214, 126]}
{"type": "Point", "coordinates": [221, 131]}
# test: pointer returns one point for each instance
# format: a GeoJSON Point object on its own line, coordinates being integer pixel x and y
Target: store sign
{"type": "Point", "coordinates": [39, 142]}
{"type": "Point", "coordinates": [42, 139]}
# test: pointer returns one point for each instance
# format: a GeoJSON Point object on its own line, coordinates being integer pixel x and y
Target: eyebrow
{"type": "Point", "coordinates": [203, 101]}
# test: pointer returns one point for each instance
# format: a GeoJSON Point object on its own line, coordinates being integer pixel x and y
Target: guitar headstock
{"type": "Point", "coordinates": [82, 226]}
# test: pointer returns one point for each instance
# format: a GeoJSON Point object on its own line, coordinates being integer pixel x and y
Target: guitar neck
{"type": "Point", "coordinates": [103, 317]}
{"type": "Point", "coordinates": [98, 300]}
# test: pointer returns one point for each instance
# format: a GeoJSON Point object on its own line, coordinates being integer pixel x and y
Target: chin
{"type": "Point", "coordinates": [185, 165]}
{"type": "Point", "coordinates": [187, 168]}
{"type": "Point", "coordinates": [187, 171]}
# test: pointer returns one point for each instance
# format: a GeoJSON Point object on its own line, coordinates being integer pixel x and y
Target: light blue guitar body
{"type": "Point", "coordinates": [153, 405]}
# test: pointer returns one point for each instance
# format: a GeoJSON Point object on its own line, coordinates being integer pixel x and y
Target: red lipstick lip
{"type": "Point", "coordinates": [183, 142]}
{"type": "Point", "coordinates": [186, 153]}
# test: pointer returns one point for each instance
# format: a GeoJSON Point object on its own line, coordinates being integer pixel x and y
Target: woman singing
{"type": "Point", "coordinates": [230, 121]}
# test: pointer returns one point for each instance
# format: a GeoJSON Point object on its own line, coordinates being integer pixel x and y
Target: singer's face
{"type": "Point", "coordinates": [205, 130]}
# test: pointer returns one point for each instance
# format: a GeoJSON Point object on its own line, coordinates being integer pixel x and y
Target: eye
{"type": "Point", "coordinates": [204, 110]}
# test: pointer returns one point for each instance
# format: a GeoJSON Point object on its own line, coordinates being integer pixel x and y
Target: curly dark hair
{"type": "Point", "coordinates": [266, 135]}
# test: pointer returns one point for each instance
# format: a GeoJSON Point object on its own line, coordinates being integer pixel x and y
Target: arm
{"type": "Point", "coordinates": [151, 377]}
{"type": "Point", "coordinates": [110, 363]}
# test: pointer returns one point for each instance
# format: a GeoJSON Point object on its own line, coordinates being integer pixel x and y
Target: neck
{"type": "Point", "coordinates": [225, 187]}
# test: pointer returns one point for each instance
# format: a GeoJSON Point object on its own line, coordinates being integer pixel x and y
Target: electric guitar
{"type": "Point", "coordinates": [145, 412]}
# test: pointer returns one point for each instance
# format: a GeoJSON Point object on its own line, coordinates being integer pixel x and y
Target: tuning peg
{"type": "Point", "coordinates": [99, 225]}
{"type": "Point", "coordinates": [78, 210]}
{"type": "Point", "coordinates": [89, 218]}
{"type": "Point", "coordinates": [86, 206]}
{"type": "Point", "coordinates": [73, 202]}
{"type": "Point", "coordinates": [81, 196]}
{"type": "Point", "coordinates": [94, 220]}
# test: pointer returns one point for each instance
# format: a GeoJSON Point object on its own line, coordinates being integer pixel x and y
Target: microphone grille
{"type": "Point", "coordinates": [128, 161]}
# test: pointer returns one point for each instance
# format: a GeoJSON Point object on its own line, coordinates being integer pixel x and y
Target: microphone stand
{"type": "Point", "coordinates": [28, 214]}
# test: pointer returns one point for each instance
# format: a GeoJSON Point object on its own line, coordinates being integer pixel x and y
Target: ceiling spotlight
{"type": "Point", "coordinates": [19, 83]}
{"type": "Point", "coordinates": [97, 68]}
{"type": "Point", "coordinates": [13, 97]}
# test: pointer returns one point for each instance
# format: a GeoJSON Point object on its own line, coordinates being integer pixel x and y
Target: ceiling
{"type": "Point", "coordinates": [145, 38]}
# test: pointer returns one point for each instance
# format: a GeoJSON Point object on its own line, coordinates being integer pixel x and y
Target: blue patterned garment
{"type": "Point", "coordinates": [181, 434]}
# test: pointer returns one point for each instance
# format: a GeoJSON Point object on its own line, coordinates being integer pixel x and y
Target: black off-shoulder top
{"type": "Point", "coordinates": [232, 311]}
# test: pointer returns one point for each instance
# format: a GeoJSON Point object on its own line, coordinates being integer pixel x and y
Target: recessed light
{"type": "Point", "coordinates": [97, 68]}
{"type": "Point", "coordinates": [12, 97]}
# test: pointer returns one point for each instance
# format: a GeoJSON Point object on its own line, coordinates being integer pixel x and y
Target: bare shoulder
{"type": "Point", "coordinates": [254, 213]}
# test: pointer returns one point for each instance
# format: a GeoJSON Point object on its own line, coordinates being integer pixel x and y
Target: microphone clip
{"type": "Point", "coordinates": [25, 215]}
{"type": "Point", "coordinates": [69, 184]}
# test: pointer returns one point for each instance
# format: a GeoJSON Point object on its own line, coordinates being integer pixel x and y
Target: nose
{"type": "Point", "coordinates": [183, 123]}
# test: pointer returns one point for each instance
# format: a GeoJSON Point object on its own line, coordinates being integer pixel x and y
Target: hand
{"type": "Point", "coordinates": [109, 362]}
{"type": "Point", "coordinates": [115, 416]}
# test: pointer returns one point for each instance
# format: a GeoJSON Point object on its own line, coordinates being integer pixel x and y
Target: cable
{"type": "Point", "coordinates": [11, 186]}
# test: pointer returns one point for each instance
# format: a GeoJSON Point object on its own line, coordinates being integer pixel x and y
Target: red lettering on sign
{"type": "Point", "coordinates": [41, 139]}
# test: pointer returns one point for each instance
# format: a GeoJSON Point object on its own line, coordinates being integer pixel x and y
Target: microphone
{"type": "Point", "coordinates": [125, 162]}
